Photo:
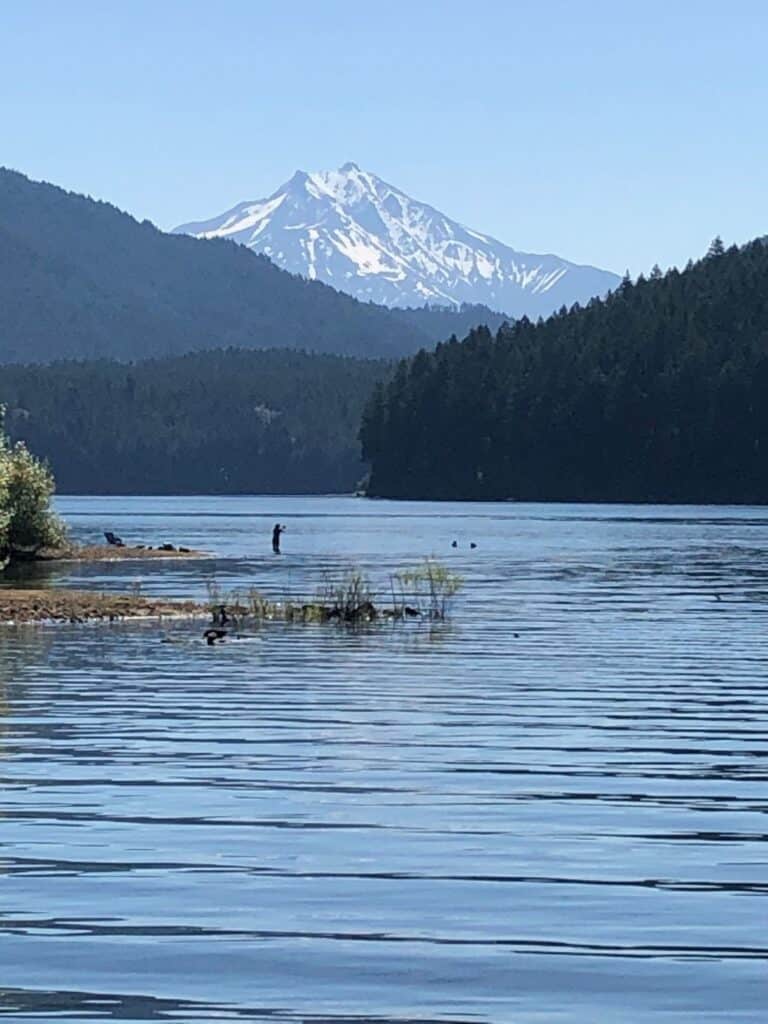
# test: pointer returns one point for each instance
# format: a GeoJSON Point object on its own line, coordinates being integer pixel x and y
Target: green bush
{"type": "Point", "coordinates": [27, 521]}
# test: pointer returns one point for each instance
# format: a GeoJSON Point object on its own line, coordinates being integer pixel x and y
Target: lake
{"type": "Point", "coordinates": [550, 809]}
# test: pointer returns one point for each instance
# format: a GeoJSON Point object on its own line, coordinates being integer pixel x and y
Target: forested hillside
{"type": "Point", "coordinates": [80, 279]}
{"type": "Point", "coordinates": [439, 322]}
{"type": "Point", "coordinates": [211, 422]}
{"type": "Point", "coordinates": [659, 393]}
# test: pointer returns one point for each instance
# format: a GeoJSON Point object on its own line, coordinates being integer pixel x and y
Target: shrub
{"type": "Point", "coordinates": [27, 521]}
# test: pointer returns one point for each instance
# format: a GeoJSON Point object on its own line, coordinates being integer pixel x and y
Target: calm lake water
{"type": "Point", "coordinates": [551, 810]}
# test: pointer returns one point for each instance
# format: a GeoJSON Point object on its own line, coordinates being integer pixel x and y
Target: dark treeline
{"type": "Point", "coordinates": [440, 322]}
{"type": "Point", "coordinates": [227, 421]}
{"type": "Point", "coordinates": [658, 393]}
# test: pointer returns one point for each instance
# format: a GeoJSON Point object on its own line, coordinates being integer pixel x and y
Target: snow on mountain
{"type": "Point", "coordinates": [353, 231]}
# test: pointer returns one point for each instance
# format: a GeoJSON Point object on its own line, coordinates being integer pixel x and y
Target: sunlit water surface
{"type": "Point", "coordinates": [551, 809]}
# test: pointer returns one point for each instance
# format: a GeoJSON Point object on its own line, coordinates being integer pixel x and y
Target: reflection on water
{"type": "Point", "coordinates": [551, 810]}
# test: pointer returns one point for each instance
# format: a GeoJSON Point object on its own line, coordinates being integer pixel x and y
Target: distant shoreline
{"type": "Point", "coordinates": [412, 499]}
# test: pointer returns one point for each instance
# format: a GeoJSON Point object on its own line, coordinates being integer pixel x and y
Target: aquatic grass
{"type": "Point", "coordinates": [431, 586]}
{"type": "Point", "coordinates": [424, 591]}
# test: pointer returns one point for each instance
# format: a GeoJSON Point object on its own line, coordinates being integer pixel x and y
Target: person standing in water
{"type": "Point", "coordinates": [276, 538]}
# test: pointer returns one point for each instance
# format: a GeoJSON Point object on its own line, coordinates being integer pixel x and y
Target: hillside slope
{"type": "Point", "coordinates": [659, 393]}
{"type": "Point", "coordinates": [79, 278]}
{"type": "Point", "coordinates": [217, 422]}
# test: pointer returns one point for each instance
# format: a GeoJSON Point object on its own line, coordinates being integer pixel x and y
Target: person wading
{"type": "Point", "coordinates": [276, 537]}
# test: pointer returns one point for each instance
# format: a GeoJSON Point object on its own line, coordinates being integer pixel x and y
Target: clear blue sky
{"type": "Point", "coordinates": [610, 133]}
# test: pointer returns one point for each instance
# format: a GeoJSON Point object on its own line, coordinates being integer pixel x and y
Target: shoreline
{"type": "Point", "coordinates": [110, 553]}
{"type": "Point", "coordinates": [20, 607]}
{"type": "Point", "coordinates": [350, 601]}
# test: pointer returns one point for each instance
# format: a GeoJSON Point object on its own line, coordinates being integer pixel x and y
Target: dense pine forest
{"type": "Point", "coordinates": [440, 322]}
{"type": "Point", "coordinates": [211, 422]}
{"type": "Point", "coordinates": [657, 393]}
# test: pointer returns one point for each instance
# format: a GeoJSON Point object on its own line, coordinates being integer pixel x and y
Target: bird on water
{"type": "Point", "coordinates": [213, 634]}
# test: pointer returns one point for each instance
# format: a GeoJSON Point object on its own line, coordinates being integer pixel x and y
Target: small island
{"type": "Point", "coordinates": [113, 553]}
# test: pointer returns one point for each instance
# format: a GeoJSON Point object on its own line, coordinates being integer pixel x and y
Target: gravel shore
{"type": "Point", "coordinates": [18, 606]}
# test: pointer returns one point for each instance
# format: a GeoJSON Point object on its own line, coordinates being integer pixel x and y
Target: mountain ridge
{"type": "Point", "coordinates": [80, 278]}
{"type": "Point", "coordinates": [351, 229]}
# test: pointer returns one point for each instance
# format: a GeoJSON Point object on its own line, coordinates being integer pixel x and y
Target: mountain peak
{"type": "Point", "coordinates": [363, 236]}
{"type": "Point", "coordinates": [298, 178]}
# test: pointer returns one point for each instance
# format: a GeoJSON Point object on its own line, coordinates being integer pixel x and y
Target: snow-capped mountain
{"type": "Point", "coordinates": [353, 231]}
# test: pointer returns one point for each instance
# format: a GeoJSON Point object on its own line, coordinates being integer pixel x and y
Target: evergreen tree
{"type": "Point", "coordinates": [226, 421]}
{"type": "Point", "coordinates": [657, 393]}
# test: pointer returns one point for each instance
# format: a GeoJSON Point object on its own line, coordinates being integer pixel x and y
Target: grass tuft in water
{"type": "Point", "coordinates": [425, 592]}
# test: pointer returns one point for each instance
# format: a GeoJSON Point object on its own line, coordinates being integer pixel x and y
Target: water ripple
{"type": "Point", "coordinates": [476, 822]}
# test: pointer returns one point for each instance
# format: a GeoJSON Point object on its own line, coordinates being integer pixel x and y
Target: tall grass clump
{"type": "Point", "coordinates": [349, 598]}
{"type": "Point", "coordinates": [425, 591]}
{"type": "Point", "coordinates": [430, 587]}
